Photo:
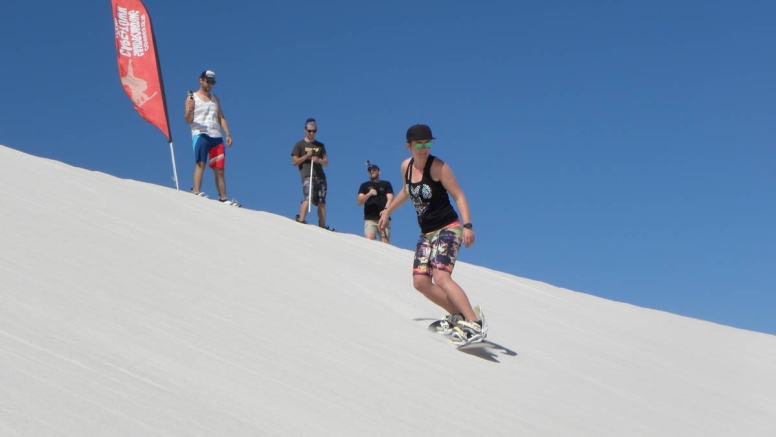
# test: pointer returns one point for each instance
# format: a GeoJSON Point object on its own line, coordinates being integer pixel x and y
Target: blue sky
{"type": "Point", "coordinates": [622, 149]}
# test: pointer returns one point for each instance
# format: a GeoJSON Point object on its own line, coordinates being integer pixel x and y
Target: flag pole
{"type": "Point", "coordinates": [164, 102]}
{"type": "Point", "coordinates": [174, 170]}
{"type": "Point", "coordinates": [310, 191]}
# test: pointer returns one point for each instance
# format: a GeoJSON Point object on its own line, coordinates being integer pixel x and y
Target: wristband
{"type": "Point", "coordinates": [467, 226]}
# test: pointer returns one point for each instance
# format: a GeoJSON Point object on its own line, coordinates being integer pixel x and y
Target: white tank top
{"type": "Point", "coordinates": [206, 119]}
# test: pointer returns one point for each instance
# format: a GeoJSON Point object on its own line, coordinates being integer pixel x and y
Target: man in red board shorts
{"type": "Point", "coordinates": [206, 118]}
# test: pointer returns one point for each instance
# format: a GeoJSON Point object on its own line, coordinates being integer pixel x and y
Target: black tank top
{"type": "Point", "coordinates": [432, 203]}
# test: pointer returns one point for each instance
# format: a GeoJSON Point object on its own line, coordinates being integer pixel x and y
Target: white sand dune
{"type": "Point", "coordinates": [129, 309]}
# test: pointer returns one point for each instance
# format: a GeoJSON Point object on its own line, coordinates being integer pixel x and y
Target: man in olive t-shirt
{"type": "Point", "coordinates": [311, 152]}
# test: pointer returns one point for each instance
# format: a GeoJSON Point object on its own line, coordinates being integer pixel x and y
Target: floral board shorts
{"type": "Point", "coordinates": [438, 250]}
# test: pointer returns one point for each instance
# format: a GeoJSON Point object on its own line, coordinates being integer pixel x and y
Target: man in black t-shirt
{"type": "Point", "coordinates": [375, 195]}
{"type": "Point", "coordinates": [311, 152]}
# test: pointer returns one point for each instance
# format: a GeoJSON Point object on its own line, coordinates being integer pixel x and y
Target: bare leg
{"type": "Point", "coordinates": [445, 292]}
{"type": "Point", "coordinates": [303, 211]}
{"type": "Point", "coordinates": [433, 293]}
{"type": "Point", "coordinates": [220, 182]}
{"type": "Point", "coordinates": [199, 170]}
{"type": "Point", "coordinates": [321, 214]}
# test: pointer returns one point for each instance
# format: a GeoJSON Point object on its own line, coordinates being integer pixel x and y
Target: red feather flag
{"type": "Point", "coordinates": [139, 68]}
{"type": "Point", "coordinates": [139, 62]}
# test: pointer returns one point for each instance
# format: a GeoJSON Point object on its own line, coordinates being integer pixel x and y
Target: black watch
{"type": "Point", "coordinates": [467, 225]}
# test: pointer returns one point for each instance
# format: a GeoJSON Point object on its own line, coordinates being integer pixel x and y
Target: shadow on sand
{"type": "Point", "coordinates": [488, 350]}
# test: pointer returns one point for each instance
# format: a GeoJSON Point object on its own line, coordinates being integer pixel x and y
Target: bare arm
{"type": "Point", "coordinates": [324, 160]}
{"type": "Point", "coordinates": [363, 197]}
{"type": "Point", "coordinates": [224, 124]}
{"type": "Point", "coordinates": [298, 160]}
{"type": "Point", "coordinates": [188, 111]}
{"type": "Point", "coordinates": [389, 199]}
{"type": "Point", "coordinates": [442, 172]}
{"type": "Point", "coordinates": [394, 202]}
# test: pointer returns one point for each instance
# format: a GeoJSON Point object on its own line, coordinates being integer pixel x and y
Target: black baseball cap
{"type": "Point", "coordinates": [419, 132]}
{"type": "Point", "coordinates": [208, 74]}
{"type": "Point", "coordinates": [371, 166]}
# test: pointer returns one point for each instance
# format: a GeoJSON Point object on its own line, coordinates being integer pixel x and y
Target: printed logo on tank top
{"type": "Point", "coordinates": [421, 197]}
